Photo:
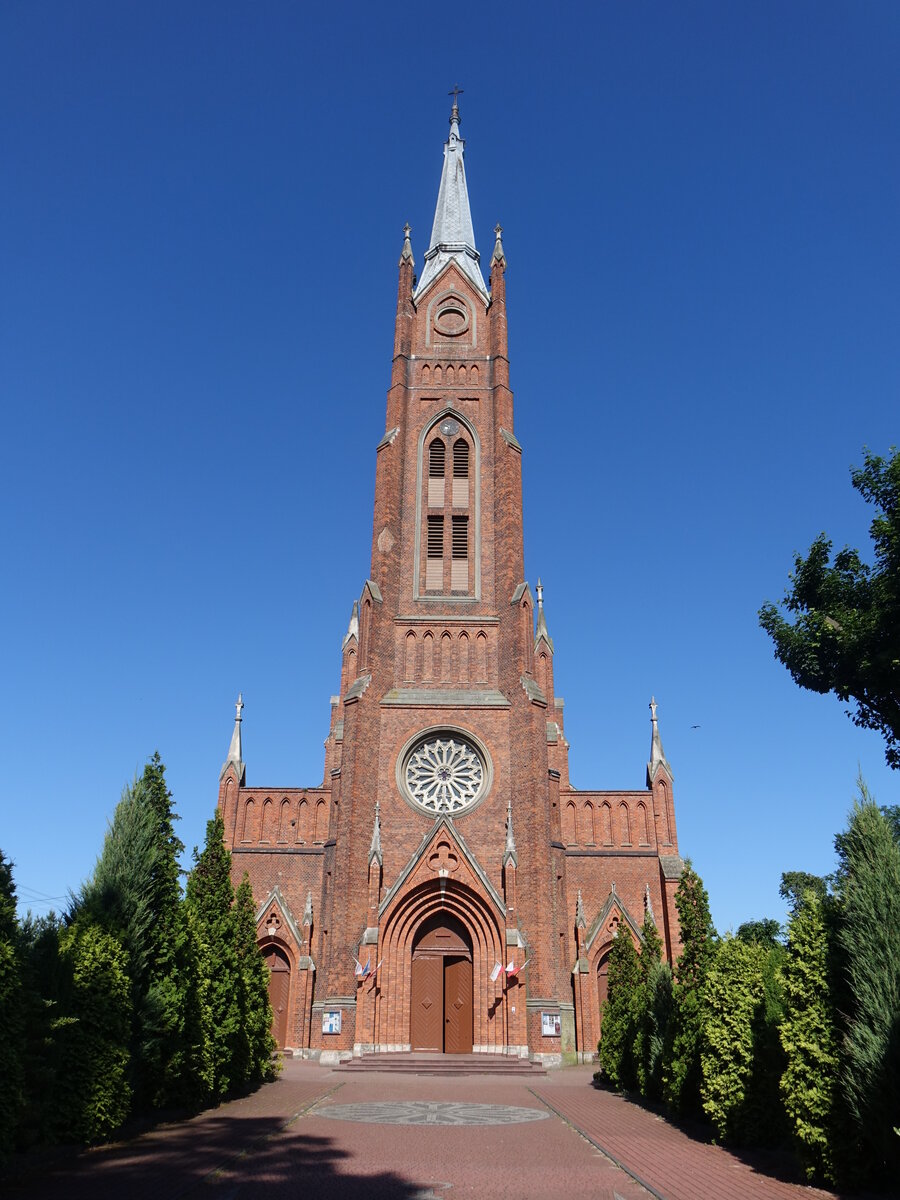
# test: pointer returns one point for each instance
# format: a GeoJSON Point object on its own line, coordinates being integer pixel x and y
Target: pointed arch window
{"type": "Point", "coordinates": [450, 520]}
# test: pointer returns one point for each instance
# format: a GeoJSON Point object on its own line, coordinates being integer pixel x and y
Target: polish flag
{"type": "Point", "coordinates": [495, 974]}
{"type": "Point", "coordinates": [512, 971]}
{"type": "Point", "coordinates": [360, 969]}
{"type": "Point", "coordinates": [375, 972]}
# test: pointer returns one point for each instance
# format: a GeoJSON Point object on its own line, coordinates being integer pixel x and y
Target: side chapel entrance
{"type": "Point", "coordinates": [279, 991]}
{"type": "Point", "coordinates": [441, 993]}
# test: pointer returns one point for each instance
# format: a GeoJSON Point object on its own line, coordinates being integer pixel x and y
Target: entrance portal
{"type": "Point", "coordinates": [441, 1002]}
{"type": "Point", "coordinates": [279, 991]}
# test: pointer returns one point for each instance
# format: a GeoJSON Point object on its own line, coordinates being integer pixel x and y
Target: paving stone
{"type": "Point", "coordinates": [329, 1134]}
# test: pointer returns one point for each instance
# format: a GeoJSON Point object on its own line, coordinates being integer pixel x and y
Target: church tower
{"type": "Point", "coordinates": [445, 888]}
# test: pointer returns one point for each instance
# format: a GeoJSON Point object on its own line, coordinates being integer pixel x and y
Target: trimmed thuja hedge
{"type": "Point", "coordinates": [786, 1042]}
{"type": "Point", "coordinates": [139, 999]}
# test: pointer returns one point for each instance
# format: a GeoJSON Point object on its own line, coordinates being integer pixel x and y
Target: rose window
{"type": "Point", "coordinates": [444, 774]}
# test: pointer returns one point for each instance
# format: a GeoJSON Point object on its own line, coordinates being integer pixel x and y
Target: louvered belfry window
{"type": "Point", "coordinates": [437, 454]}
{"type": "Point", "coordinates": [459, 562]}
{"type": "Point", "coordinates": [449, 500]}
{"type": "Point", "coordinates": [460, 473]}
{"type": "Point", "coordinates": [434, 562]}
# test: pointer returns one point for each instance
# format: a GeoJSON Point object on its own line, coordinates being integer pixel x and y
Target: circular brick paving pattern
{"type": "Point", "coordinates": [426, 1112]}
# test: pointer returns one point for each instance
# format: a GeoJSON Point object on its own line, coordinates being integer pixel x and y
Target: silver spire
{"type": "Point", "coordinates": [452, 235]}
{"type": "Point", "coordinates": [234, 750]}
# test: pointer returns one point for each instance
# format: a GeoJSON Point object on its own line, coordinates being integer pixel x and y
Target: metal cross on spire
{"type": "Point", "coordinates": [456, 93]}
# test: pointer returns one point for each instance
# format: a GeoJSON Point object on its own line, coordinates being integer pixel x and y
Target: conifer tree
{"type": "Point", "coordinates": [162, 1050]}
{"type": "Point", "coordinates": [94, 1035]}
{"type": "Point", "coordinates": [733, 997]}
{"type": "Point", "coordinates": [868, 883]}
{"type": "Point", "coordinates": [255, 1044]}
{"type": "Point", "coordinates": [135, 894]}
{"type": "Point", "coordinates": [651, 945]}
{"type": "Point", "coordinates": [210, 898]}
{"type": "Point", "coordinates": [645, 1015]}
{"type": "Point", "coordinates": [43, 980]}
{"type": "Point", "coordinates": [681, 1080]}
{"type": "Point", "coordinates": [199, 1032]}
{"type": "Point", "coordinates": [619, 1024]}
{"type": "Point", "coordinates": [11, 1012]}
{"type": "Point", "coordinates": [810, 1040]}
{"type": "Point", "coordinates": [763, 1119]}
{"type": "Point", "coordinates": [655, 1023]}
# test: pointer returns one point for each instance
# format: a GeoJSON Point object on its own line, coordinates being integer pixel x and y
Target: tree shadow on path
{"type": "Point", "coordinates": [230, 1159]}
{"type": "Point", "coordinates": [776, 1163]}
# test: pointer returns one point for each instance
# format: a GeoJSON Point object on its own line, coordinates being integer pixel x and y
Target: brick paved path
{"type": "Point", "coordinates": [277, 1145]}
{"type": "Point", "coordinates": [672, 1164]}
{"type": "Point", "coordinates": [167, 1163]}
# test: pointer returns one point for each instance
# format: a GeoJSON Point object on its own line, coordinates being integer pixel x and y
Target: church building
{"type": "Point", "coordinates": [445, 888]}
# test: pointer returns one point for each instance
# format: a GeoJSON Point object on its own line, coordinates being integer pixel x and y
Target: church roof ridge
{"type": "Point", "coordinates": [452, 234]}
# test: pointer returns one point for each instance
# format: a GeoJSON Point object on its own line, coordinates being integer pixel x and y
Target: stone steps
{"type": "Point", "coordinates": [410, 1063]}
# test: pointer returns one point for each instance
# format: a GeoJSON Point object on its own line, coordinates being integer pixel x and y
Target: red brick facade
{"type": "Point", "coordinates": [444, 641]}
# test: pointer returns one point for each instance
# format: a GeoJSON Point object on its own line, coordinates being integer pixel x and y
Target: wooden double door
{"type": "Point", "coordinates": [441, 991]}
{"type": "Point", "coordinates": [279, 991]}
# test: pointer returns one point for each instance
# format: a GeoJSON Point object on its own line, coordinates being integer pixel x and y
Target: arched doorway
{"type": "Point", "coordinates": [603, 982]}
{"type": "Point", "coordinates": [441, 989]}
{"type": "Point", "coordinates": [279, 991]}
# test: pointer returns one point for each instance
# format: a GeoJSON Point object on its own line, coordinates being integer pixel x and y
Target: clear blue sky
{"type": "Point", "coordinates": [200, 221]}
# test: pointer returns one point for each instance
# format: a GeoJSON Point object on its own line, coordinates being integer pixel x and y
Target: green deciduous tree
{"type": "Point", "coordinates": [845, 636]}
{"type": "Point", "coordinates": [681, 1074]}
{"type": "Point", "coordinates": [795, 884]}
{"type": "Point", "coordinates": [765, 932]}
{"type": "Point", "coordinates": [619, 1018]}
{"type": "Point", "coordinates": [868, 886]}
{"type": "Point", "coordinates": [810, 1039]}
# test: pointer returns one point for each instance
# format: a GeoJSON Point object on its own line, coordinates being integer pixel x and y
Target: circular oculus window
{"type": "Point", "coordinates": [445, 772]}
{"type": "Point", "coordinates": [452, 320]}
